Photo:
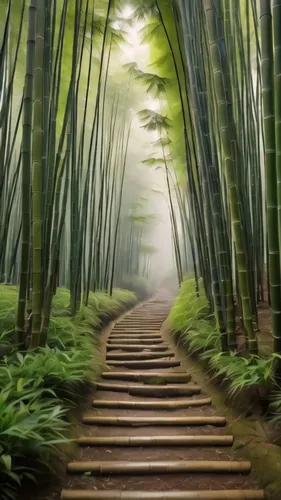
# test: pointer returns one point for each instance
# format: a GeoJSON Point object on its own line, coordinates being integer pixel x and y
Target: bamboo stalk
{"type": "Point", "coordinates": [168, 466]}
{"type": "Point", "coordinates": [137, 347]}
{"type": "Point", "coordinates": [139, 355]}
{"type": "Point", "coordinates": [157, 441]}
{"type": "Point", "coordinates": [26, 152]}
{"type": "Point", "coordinates": [163, 495]}
{"type": "Point", "coordinates": [37, 176]}
{"type": "Point", "coordinates": [147, 376]}
{"type": "Point", "coordinates": [152, 405]}
{"type": "Point", "coordinates": [146, 363]}
{"type": "Point", "coordinates": [133, 341]}
{"type": "Point", "coordinates": [152, 421]}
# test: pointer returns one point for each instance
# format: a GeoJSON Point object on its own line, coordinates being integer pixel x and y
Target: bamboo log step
{"type": "Point", "coordinates": [147, 320]}
{"type": "Point", "coordinates": [142, 320]}
{"type": "Point", "coordinates": [154, 391]}
{"type": "Point", "coordinates": [137, 347]}
{"type": "Point", "coordinates": [152, 421]}
{"type": "Point", "coordinates": [156, 441]}
{"type": "Point", "coordinates": [163, 495]}
{"type": "Point", "coordinates": [149, 405]}
{"type": "Point", "coordinates": [140, 336]}
{"type": "Point", "coordinates": [137, 333]}
{"type": "Point", "coordinates": [159, 467]}
{"type": "Point", "coordinates": [139, 355]}
{"type": "Point", "coordinates": [148, 376]}
{"type": "Point", "coordinates": [146, 363]}
{"type": "Point", "coordinates": [138, 328]}
{"type": "Point", "coordinates": [133, 341]}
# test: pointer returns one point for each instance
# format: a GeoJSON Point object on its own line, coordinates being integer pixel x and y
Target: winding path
{"type": "Point", "coordinates": [151, 433]}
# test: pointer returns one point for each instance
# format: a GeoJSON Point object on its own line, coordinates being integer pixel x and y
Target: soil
{"type": "Point", "coordinates": [155, 482]}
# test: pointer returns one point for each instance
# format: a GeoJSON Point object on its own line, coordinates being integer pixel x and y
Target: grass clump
{"type": "Point", "coordinates": [191, 320]}
{"type": "Point", "coordinates": [38, 388]}
{"type": "Point", "coordinates": [188, 308]}
{"type": "Point", "coordinates": [196, 328]}
{"type": "Point", "coordinates": [32, 424]}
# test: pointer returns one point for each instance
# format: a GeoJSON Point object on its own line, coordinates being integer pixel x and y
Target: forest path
{"type": "Point", "coordinates": [152, 433]}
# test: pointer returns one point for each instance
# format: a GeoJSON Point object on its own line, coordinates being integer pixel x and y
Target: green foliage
{"type": "Point", "coordinates": [32, 424]}
{"type": "Point", "coordinates": [241, 373]}
{"type": "Point", "coordinates": [37, 388]}
{"type": "Point", "coordinates": [188, 309]}
{"type": "Point", "coordinates": [195, 327]}
{"type": "Point", "coordinates": [8, 305]}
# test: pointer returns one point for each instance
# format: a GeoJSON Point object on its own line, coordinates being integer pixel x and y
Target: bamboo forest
{"type": "Point", "coordinates": [140, 249]}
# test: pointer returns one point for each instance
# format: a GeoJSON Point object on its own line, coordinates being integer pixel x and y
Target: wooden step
{"type": "Point", "coordinates": [152, 421]}
{"type": "Point", "coordinates": [162, 495]}
{"type": "Point", "coordinates": [141, 319]}
{"type": "Point", "coordinates": [137, 347]}
{"type": "Point", "coordinates": [148, 376]}
{"type": "Point", "coordinates": [141, 336]}
{"type": "Point", "coordinates": [136, 329]}
{"type": "Point", "coordinates": [154, 391]}
{"type": "Point", "coordinates": [139, 355]}
{"type": "Point", "coordinates": [146, 363]}
{"type": "Point", "coordinates": [133, 341]}
{"type": "Point", "coordinates": [156, 441]}
{"type": "Point", "coordinates": [152, 405]}
{"type": "Point", "coordinates": [159, 467]}
{"type": "Point", "coordinates": [137, 333]}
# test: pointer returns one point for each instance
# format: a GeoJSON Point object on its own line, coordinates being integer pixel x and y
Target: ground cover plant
{"type": "Point", "coordinates": [197, 329]}
{"type": "Point", "coordinates": [39, 387]}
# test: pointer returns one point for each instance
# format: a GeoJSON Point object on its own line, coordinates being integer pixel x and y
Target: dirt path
{"type": "Point", "coordinates": [178, 447]}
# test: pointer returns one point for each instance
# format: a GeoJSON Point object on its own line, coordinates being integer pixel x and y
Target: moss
{"type": "Point", "coordinates": [251, 441]}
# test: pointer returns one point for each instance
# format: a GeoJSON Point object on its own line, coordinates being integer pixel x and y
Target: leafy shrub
{"type": "Point", "coordinates": [39, 387]}
{"type": "Point", "coordinates": [32, 424]}
{"type": "Point", "coordinates": [195, 327]}
{"type": "Point", "coordinates": [188, 309]}
{"type": "Point", "coordinates": [242, 373]}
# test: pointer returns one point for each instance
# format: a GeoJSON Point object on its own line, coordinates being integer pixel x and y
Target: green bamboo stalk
{"type": "Point", "coordinates": [37, 177]}
{"type": "Point", "coordinates": [229, 169]}
{"type": "Point", "coordinates": [272, 112]}
{"type": "Point", "coordinates": [26, 171]}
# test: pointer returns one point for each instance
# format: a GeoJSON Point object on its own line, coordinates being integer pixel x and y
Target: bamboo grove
{"type": "Point", "coordinates": [64, 133]}
{"type": "Point", "coordinates": [214, 131]}
{"type": "Point", "coordinates": [217, 82]}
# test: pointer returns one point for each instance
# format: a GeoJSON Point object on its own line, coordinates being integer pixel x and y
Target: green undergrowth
{"type": "Point", "coordinates": [194, 326]}
{"type": "Point", "coordinates": [38, 388]}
